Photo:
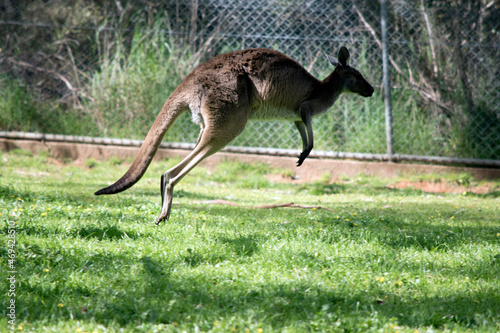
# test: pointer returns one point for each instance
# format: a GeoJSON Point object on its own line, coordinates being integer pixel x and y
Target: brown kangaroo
{"type": "Point", "coordinates": [226, 91]}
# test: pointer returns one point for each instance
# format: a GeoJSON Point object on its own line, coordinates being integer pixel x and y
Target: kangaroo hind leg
{"type": "Point", "coordinates": [164, 180]}
{"type": "Point", "coordinates": [214, 136]}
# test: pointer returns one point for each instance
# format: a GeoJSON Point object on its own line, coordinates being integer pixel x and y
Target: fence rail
{"type": "Point", "coordinates": [104, 69]}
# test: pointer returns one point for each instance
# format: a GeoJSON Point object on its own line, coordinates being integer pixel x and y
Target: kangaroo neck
{"type": "Point", "coordinates": [331, 87]}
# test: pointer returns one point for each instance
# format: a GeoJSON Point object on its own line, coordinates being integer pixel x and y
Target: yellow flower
{"type": "Point", "coordinates": [355, 224]}
{"type": "Point", "coordinates": [44, 214]}
{"type": "Point", "coordinates": [60, 305]}
{"type": "Point", "coordinates": [78, 330]}
{"type": "Point", "coordinates": [46, 270]}
{"type": "Point", "coordinates": [380, 279]}
{"type": "Point", "coordinates": [260, 330]}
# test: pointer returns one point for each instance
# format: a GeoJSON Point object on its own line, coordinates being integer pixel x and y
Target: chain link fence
{"type": "Point", "coordinates": [104, 69]}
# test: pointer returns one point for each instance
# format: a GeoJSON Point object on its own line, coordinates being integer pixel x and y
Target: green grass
{"type": "Point", "coordinates": [382, 260]}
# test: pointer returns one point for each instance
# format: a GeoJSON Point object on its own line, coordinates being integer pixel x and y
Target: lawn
{"type": "Point", "coordinates": [367, 258]}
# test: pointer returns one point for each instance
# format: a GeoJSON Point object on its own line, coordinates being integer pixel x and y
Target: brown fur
{"type": "Point", "coordinates": [226, 91]}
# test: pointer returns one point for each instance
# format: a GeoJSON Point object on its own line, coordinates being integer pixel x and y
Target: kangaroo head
{"type": "Point", "coordinates": [352, 80]}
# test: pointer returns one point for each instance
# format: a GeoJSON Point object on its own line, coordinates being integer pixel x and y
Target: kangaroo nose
{"type": "Point", "coordinates": [370, 91]}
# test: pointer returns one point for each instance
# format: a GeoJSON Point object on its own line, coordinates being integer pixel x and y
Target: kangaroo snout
{"type": "Point", "coordinates": [368, 92]}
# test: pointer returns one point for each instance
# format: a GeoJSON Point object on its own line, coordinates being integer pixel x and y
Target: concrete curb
{"type": "Point", "coordinates": [312, 168]}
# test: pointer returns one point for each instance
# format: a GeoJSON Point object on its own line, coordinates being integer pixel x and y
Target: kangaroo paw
{"type": "Point", "coordinates": [302, 157]}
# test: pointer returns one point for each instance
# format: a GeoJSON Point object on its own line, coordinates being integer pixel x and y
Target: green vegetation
{"type": "Point", "coordinates": [377, 259]}
{"type": "Point", "coordinates": [131, 86]}
{"type": "Point", "coordinates": [100, 69]}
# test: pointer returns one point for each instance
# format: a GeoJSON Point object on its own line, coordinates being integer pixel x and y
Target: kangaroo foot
{"type": "Point", "coordinates": [166, 198]}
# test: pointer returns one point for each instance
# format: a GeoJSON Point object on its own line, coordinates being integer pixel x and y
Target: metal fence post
{"type": "Point", "coordinates": [386, 73]}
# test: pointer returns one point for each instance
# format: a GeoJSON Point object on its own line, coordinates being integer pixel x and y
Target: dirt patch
{"type": "Point", "coordinates": [444, 187]}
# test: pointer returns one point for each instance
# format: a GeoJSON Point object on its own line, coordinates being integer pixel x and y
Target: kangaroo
{"type": "Point", "coordinates": [223, 93]}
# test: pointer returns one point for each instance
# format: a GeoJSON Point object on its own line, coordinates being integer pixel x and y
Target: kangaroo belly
{"type": "Point", "coordinates": [270, 112]}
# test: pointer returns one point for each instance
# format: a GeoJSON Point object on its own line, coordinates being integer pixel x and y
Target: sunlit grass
{"type": "Point", "coordinates": [376, 260]}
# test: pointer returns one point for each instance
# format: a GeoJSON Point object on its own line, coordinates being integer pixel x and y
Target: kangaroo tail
{"type": "Point", "coordinates": [167, 116]}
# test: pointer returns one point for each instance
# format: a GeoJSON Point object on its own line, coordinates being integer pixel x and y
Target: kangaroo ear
{"type": "Point", "coordinates": [332, 60]}
{"type": "Point", "coordinates": [343, 56]}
